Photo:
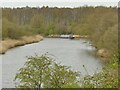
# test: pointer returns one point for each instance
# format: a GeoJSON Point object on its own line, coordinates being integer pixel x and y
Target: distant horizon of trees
{"type": "Point", "coordinates": [46, 6]}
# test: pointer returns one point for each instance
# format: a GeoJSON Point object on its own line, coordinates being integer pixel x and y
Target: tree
{"type": "Point", "coordinates": [61, 77]}
{"type": "Point", "coordinates": [42, 70]}
{"type": "Point", "coordinates": [37, 21]}
{"type": "Point", "coordinates": [33, 73]}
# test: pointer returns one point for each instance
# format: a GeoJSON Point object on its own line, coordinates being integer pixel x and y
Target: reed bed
{"type": "Point", "coordinates": [11, 43]}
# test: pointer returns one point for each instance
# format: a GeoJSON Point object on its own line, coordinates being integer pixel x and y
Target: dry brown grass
{"type": "Point", "coordinates": [10, 43]}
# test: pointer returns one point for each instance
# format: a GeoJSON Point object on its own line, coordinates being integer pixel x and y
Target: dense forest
{"type": "Point", "coordinates": [98, 23]}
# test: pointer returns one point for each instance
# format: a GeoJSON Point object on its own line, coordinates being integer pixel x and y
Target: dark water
{"type": "Point", "coordinates": [74, 53]}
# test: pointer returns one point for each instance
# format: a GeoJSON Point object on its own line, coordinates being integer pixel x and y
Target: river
{"type": "Point", "coordinates": [74, 53]}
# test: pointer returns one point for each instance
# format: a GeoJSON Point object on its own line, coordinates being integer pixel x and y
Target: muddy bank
{"type": "Point", "coordinates": [11, 43]}
{"type": "Point", "coordinates": [103, 54]}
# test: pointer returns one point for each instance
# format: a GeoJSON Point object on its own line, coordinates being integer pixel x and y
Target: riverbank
{"type": "Point", "coordinates": [11, 43]}
{"type": "Point", "coordinates": [68, 36]}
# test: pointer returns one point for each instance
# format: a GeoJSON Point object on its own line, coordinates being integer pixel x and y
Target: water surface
{"type": "Point", "coordinates": [74, 53]}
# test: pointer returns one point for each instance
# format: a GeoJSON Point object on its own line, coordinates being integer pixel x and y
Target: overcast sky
{"type": "Point", "coordinates": [57, 3]}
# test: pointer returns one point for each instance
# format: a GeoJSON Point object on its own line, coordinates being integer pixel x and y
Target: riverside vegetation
{"type": "Point", "coordinates": [11, 43]}
{"type": "Point", "coordinates": [44, 72]}
{"type": "Point", "coordinates": [99, 23]}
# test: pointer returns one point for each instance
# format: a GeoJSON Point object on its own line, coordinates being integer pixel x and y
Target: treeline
{"type": "Point", "coordinates": [99, 23]}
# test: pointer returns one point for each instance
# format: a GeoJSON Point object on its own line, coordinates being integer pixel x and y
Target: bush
{"type": "Point", "coordinates": [13, 31]}
{"type": "Point", "coordinates": [107, 78]}
{"type": "Point", "coordinates": [110, 40]}
{"type": "Point", "coordinates": [42, 71]}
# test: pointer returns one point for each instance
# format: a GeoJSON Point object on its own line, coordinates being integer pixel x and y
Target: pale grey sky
{"type": "Point", "coordinates": [57, 3]}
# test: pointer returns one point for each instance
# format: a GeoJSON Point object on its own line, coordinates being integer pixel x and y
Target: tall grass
{"type": "Point", "coordinates": [10, 43]}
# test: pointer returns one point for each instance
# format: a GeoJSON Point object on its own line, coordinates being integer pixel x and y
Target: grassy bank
{"type": "Point", "coordinates": [11, 43]}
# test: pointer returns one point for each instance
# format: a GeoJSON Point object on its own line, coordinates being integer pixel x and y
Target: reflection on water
{"type": "Point", "coordinates": [74, 53]}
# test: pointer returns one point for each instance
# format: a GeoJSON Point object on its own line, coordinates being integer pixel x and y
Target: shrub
{"type": "Point", "coordinates": [40, 70]}
{"type": "Point", "coordinates": [107, 78]}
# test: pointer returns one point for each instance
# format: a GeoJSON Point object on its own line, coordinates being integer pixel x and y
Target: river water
{"type": "Point", "coordinates": [74, 53]}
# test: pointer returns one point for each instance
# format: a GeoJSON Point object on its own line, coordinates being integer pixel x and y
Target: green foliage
{"type": "Point", "coordinates": [37, 21]}
{"type": "Point", "coordinates": [33, 73]}
{"type": "Point", "coordinates": [43, 72]}
{"type": "Point", "coordinates": [62, 77]}
{"type": "Point", "coordinates": [81, 29]}
{"type": "Point", "coordinates": [13, 31]}
{"type": "Point", "coordinates": [40, 70]}
{"type": "Point", "coordinates": [110, 40]}
{"type": "Point", "coordinates": [10, 30]}
{"type": "Point", "coordinates": [84, 20]}
{"type": "Point", "coordinates": [107, 78]}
